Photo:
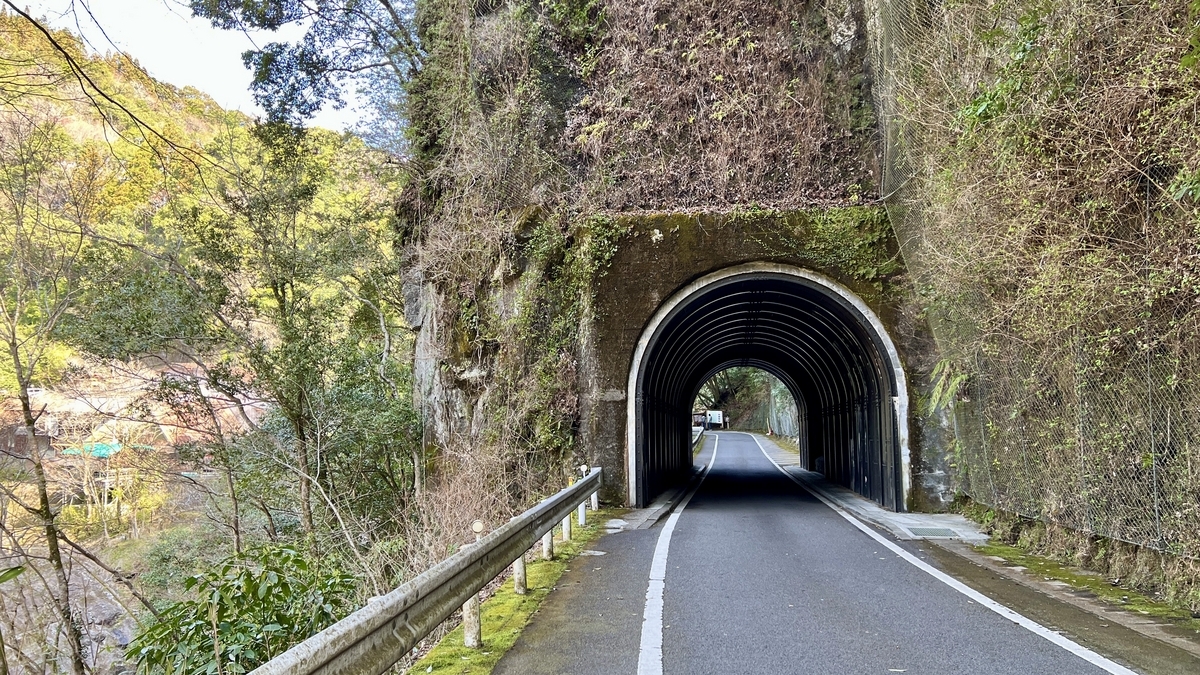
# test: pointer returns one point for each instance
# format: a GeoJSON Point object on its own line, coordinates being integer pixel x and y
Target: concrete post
{"type": "Point", "coordinates": [472, 630]}
{"type": "Point", "coordinates": [548, 545]}
{"type": "Point", "coordinates": [519, 575]}
{"type": "Point", "coordinates": [472, 626]}
{"type": "Point", "coordinates": [596, 501]}
{"type": "Point", "coordinates": [567, 528]}
{"type": "Point", "coordinates": [582, 514]}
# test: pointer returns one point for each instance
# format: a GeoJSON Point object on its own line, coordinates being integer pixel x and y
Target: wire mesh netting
{"type": "Point", "coordinates": [1110, 451]}
{"type": "Point", "coordinates": [1104, 443]}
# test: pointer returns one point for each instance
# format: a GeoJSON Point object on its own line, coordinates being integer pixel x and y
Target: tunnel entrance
{"type": "Point", "coordinates": [816, 336]}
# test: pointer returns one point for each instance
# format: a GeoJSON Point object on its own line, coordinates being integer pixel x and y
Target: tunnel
{"type": "Point", "coordinates": [820, 339]}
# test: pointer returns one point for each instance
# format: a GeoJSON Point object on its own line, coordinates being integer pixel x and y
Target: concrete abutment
{"type": "Point", "coordinates": [688, 295]}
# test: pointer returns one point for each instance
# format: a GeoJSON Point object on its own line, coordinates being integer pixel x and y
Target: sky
{"type": "Point", "coordinates": [175, 47]}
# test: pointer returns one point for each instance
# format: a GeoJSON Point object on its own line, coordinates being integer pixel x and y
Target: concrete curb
{"type": "Point", "coordinates": [1147, 627]}
{"type": "Point", "coordinates": [902, 526]}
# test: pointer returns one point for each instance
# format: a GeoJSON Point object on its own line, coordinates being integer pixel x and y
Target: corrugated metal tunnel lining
{"type": "Point", "coordinates": [815, 341]}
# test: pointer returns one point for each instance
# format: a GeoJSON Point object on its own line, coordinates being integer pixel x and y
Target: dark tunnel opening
{"type": "Point", "coordinates": [810, 334]}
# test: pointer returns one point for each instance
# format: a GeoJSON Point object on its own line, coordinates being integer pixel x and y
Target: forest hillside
{"type": "Point", "coordinates": [206, 375]}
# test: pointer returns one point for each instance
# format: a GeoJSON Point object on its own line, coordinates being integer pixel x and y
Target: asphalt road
{"type": "Point", "coordinates": [761, 577]}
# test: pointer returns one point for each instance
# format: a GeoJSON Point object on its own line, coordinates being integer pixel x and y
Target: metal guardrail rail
{"type": "Point", "coordinates": [374, 638]}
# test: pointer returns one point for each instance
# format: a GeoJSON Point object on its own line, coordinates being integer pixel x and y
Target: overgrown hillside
{"type": "Point", "coordinates": [32, 68]}
{"type": "Point", "coordinates": [536, 127]}
{"type": "Point", "coordinates": [1046, 160]}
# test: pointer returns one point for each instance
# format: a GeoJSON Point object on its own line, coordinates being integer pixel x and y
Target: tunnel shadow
{"type": "Point", "coordinates": [735, 487]}
{"type": "Point", "coordinates": [830, 353]}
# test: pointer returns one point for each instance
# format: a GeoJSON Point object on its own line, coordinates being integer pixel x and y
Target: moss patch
{"type": "Point", "coordinates": [505, 614]}
{"type": "Point", "coordinates": [1093, 583]}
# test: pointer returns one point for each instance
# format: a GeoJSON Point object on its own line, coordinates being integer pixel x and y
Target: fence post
{"type": "Point", "coordinates": [582, 514]}
{"type": "Point", "coordinates": [472, 626]}
{"type": "Point", "coordinates": [566, 525]}
{"type": "Point", "coordinates": [596, 500]}
{"type": "Point", "coordinates": [548, 545]}
{"type": "Point", "coordinates": [518, 568]}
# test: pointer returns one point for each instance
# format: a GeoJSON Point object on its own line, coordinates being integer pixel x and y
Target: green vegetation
{"type": "Point", "coordinates": [505, 614]}
{"type": "Point", "coordinates": [1117, 594]}
{"type": "Point", "coordinates": [248, 609]}
{"type": "Point", "coordinates": [1043, 165]}
{"type": "Point", "coordinates": [1125, 574]}
{"type": "Point", "coordinates": [216, 303]}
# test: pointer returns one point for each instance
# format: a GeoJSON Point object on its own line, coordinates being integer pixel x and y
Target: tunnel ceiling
{"type": "Point", "coordinates": [807, 336]}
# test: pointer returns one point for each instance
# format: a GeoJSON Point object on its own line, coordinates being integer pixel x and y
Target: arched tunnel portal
{"type": "Point", "coordinates": [816, 336]}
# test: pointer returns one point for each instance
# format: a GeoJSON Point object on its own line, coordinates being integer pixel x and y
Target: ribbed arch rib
{"type": "Point", "coordinates": [816, 341]}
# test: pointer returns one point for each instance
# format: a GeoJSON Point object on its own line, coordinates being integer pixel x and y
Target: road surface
{"type": "Point", "coordinates": [759, 576]}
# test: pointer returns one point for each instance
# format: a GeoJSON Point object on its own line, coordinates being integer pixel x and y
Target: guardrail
{"type": "Point", "coordinates": [374, 638]}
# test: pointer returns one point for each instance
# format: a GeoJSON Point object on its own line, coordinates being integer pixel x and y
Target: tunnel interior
{"type": "Point", "coordinates": [818, 342]}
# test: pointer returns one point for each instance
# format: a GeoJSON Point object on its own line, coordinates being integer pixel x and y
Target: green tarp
{"type": "Point", "coordinates": [98, 450]}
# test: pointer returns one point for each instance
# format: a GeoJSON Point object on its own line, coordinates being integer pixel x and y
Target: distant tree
{"type": "Point", "coordinates": [49, 197]}
{"type": "Point", "coordinates": [346, 42]}
{"type": "Point", "coordinates": [727, 386]}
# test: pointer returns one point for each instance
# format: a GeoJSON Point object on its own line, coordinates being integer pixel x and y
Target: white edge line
{"type": "Point", "coordinates": [650, 661]}
{"type": "Point", "coordinates": [1029, 624]}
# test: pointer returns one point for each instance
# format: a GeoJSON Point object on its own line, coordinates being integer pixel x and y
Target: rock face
{"type": "Point", "coordinates": [696, 105]}
{"type": "Point", "coordinates": [595, 159]}
{"type": "Point", "coordinates": [653, 257]}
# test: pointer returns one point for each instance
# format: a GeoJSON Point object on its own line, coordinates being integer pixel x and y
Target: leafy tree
{"type": "Point", "coordinates": [729, 386]}
{"type": "Point", "coordinates": [280, 291]}
{"type": "Point", "coordinates": [245, 611]}
{"type": "Point", "coordinates": [49, 198]}
{"type": "Point", "coordinates": [346, 41]}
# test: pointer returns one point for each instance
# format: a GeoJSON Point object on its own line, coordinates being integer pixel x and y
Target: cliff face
{"type": "Point", "coordinates": [548, 135]}
{"type": "Point", "coordinates": [696, 104]}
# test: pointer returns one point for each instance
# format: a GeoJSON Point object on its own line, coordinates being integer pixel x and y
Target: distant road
{"type": "Point", "coordinates": [758, 576]}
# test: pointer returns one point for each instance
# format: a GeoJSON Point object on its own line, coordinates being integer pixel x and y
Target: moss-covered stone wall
{"type": "Point", "coordinates": [659, 253]}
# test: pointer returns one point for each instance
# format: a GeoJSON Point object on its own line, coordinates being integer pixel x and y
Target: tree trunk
{"type": "Point", "coordinates": [306, 514]}
{"type": "Point", "coordinates": [237, 514]}
{"type": "Point", "coordinates": [417, 463]}
{"type": "Point", "coordinates": [3, 659]}
{"type": "Point", "coordinates": [270, 526]}
{"type": "Point", "coordinates": [46, 513]}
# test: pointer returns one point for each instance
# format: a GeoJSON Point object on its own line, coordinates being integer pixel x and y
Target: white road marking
{"type": "Point", "coordinates": [1032, 626]}
{"type": "Point", "coordinates": [650, 661]}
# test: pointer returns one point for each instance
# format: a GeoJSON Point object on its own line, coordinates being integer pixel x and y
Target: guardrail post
{"type": "Point", "coordinates": [567, 527]}
{"type": "Point", "coordinates": [582, 514]}
{"type": "Point", "coordinates": [519, 586]}
{"type": "Point", "coordinates": [472, 626]}
{"type": "Point", "coordinates": [548, 545]}
{"type": "Point", "coordinates": [472, 630]}
{"type": "Point", "coordinates": [595, 498]}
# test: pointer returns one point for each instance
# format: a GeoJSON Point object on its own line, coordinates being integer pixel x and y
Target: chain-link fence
{"type": "Point", "coordinates": [1104, 443]}
{"type": "Point", "coordinates": [1109, 450]}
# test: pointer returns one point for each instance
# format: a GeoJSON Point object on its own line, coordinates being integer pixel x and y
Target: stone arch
{"type": "Point", "coordinates": [816, 335]}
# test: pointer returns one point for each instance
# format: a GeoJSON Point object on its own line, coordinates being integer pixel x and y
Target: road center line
{"type": "Point", "coordinates": [1028, 624]}
{"type": "Point", "coordinates": [650, 659]}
